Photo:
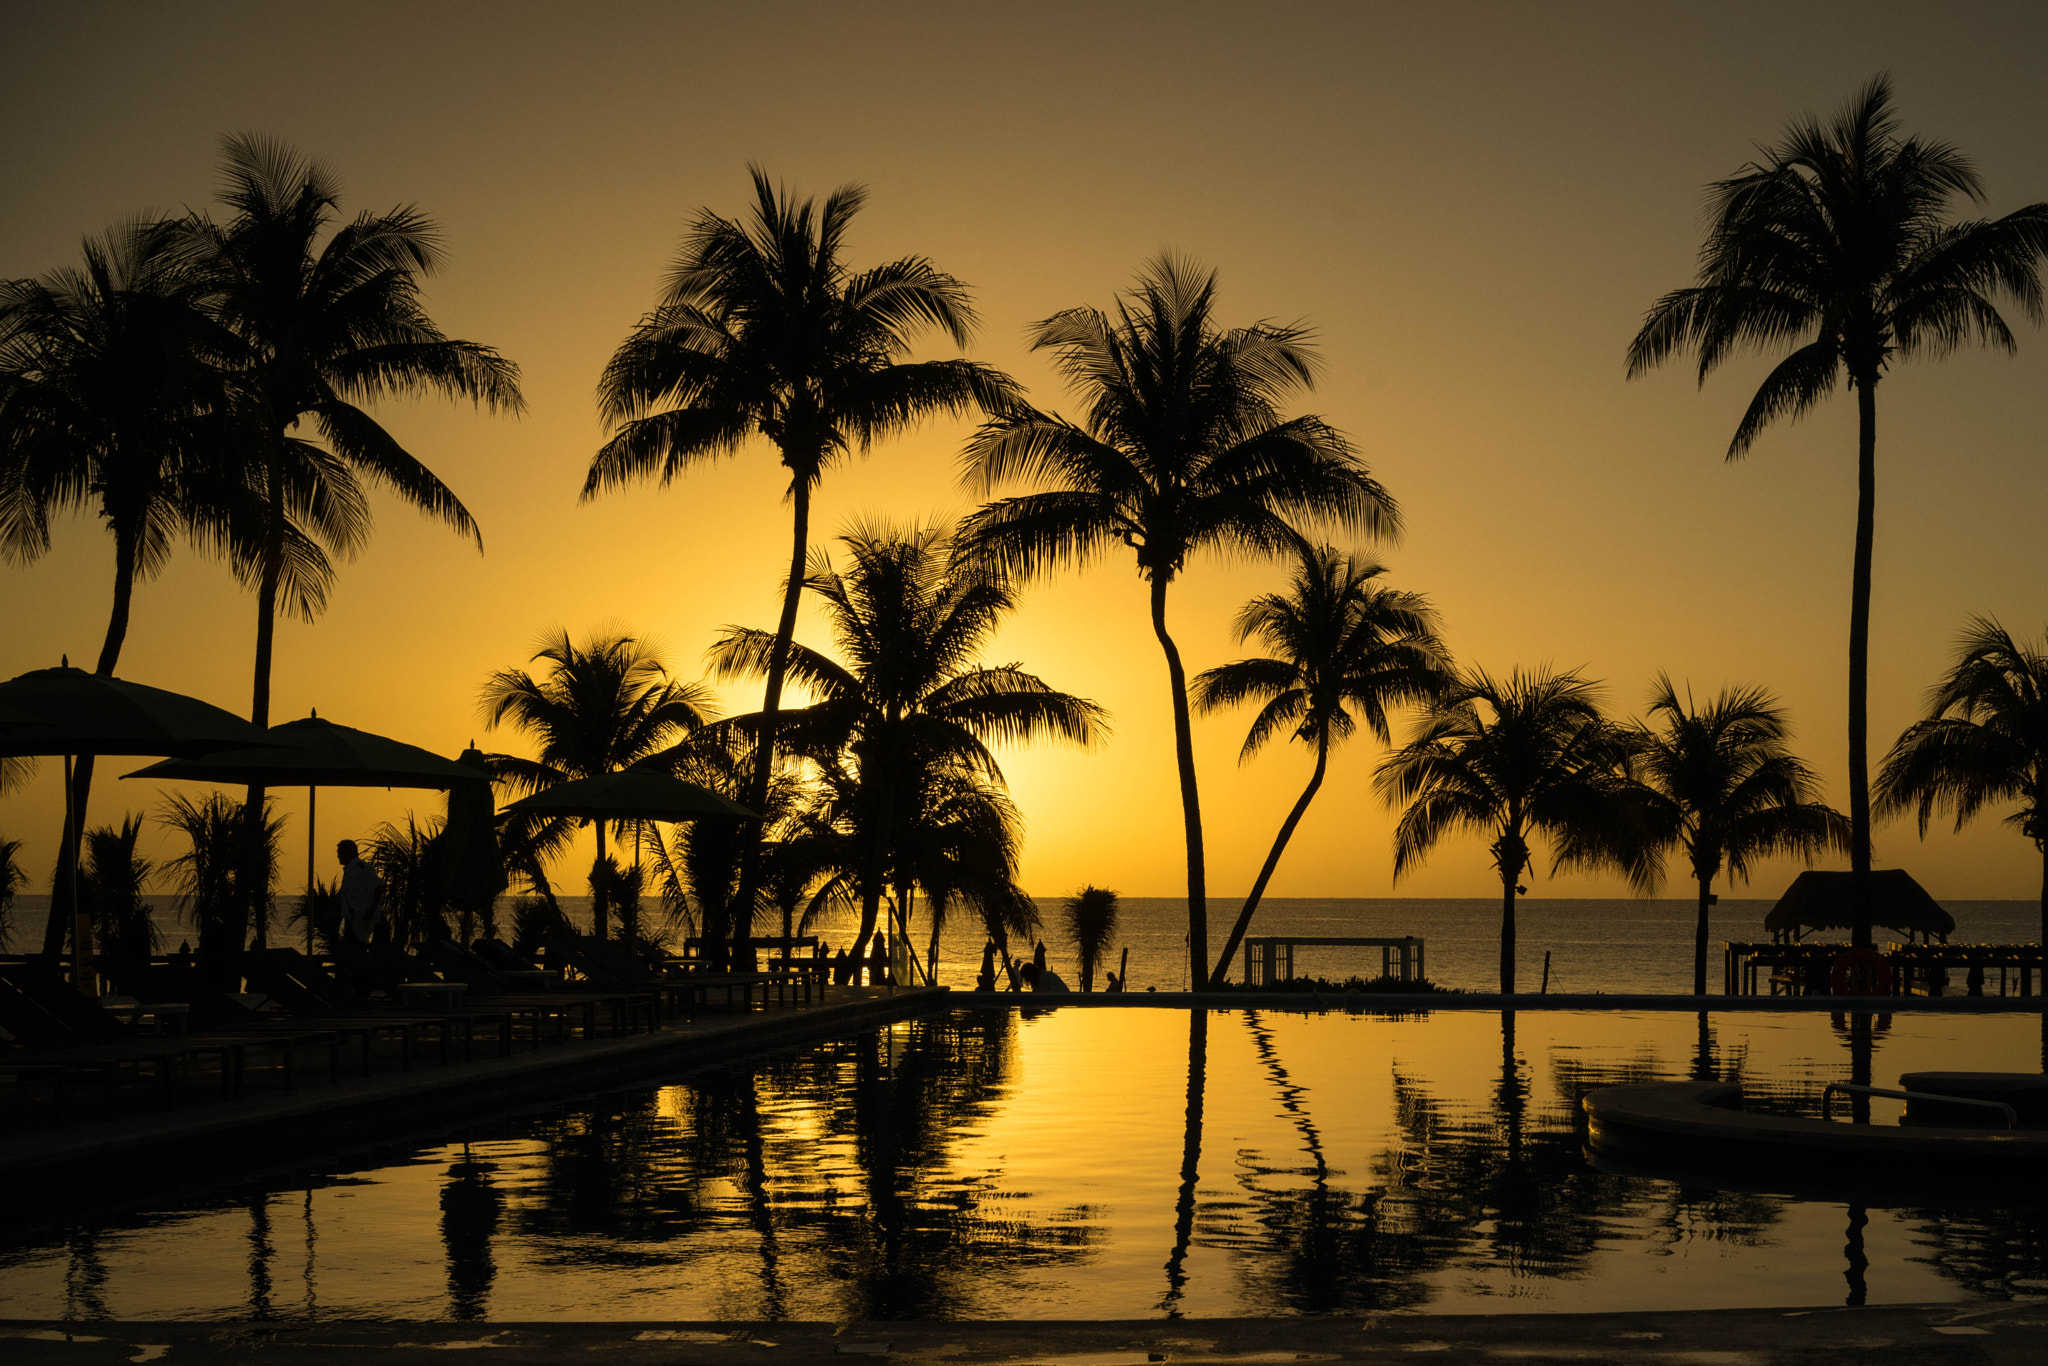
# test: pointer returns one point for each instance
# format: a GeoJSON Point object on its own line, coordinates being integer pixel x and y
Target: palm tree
{"type": "Point", "coordinates": [1721, 785]}
{"type": "Point", "coordinates": [12, 880]}
{"type": "Point", "coordinates": [958, 839]}
{"type": "Point", "coordinates": [1516, 759]}
{"type": "Point", "coordinates": [910, 702]}
{"type": "Point", "coordinates": [111, 883]}
{"type": "Point", "coordinates": [1183, 450]}
{"type": "Point", "coordinates": [696, 866]}
{"type": "Point", "coordinates": [213, 876]}
{"type": "Point", "coordinates": [405, 858]}
{"type": "Point", "coordinates": [1984, 740]}
{"type": "Point", "coordinates": [599, 708]}
{"type": "Point", "coordinates": [762, 328]}
{"type": "Point", "coordinates": [1837, 244]}
{"type": "Point", "coordinates": [109, 401]}
{"type": "Point", "coordinates": [1091, 916]}
{"type": "Point", "coordinates": [325, 326]}
{"type": "Point", "coordinates": [1338, 641]}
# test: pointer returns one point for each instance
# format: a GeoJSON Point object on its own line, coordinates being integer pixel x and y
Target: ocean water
{"type": "Point", "coordinates": [1610, 945]}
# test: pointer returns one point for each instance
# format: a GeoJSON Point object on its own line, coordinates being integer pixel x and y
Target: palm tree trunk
{"type": "Point", "coordinates": [1190, 797]}
{"type": "Point", "coordinates": [254, 889]}
{"type": "Point", "coordinates": [1251, 903]}
{"type": "Point", "coordinates": [63, 910]}
{"type": "Point", "coordinates": [2044, 922]}
{"type": "Point", "coordinates": [1699, 938]}
{"type": "Point", "coordinates": [1507, 933]}
{"type": "Point", "coordinates": [598, 918]}
{"type": "Point", "coordinates": [1859, 660]}
{"type": "Point", "coordinates": [880, 826]}
{"type": "Point", "coordinates": [771, 706]}
{"type": "Point", "coordinates": [1511, 853]}
{"type": "Point", "coordinates": [124, 597]}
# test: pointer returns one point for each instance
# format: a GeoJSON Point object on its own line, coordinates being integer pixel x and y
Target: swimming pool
{"type": "Point", "coordinates": [1080, 1164]}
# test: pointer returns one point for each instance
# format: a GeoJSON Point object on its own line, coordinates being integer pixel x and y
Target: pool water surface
{"type": "Point", "coordinates": [1083, 1164]}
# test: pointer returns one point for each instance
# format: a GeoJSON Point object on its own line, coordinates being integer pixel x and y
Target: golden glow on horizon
{"type": "Point", "coordinates": [1472, 207]}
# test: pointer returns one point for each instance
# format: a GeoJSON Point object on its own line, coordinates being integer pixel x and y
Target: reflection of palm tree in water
{"type": "Point", "coordinates": [1513, 1093]}
{"type": "Point", "coordinates": [260, 1252]}
{"type": "Point", "coordinates": [312, 1238]}
{"type": "Point", "coordinates": [1852, 1252]}
{"type": "Point", "coordinates": [1290, 1101]}
{"type": "Point", "coordinates": [85, 1278]}
{"type": "Point", "coordinates": [774, 1305]}
{"type": "Point", "coordinates": [1190, 1162]}
{"type": "Point", "coordinates": [843, 1158]}
{"type": "Point", "coordinates": [470, 1207]}
{"type": "Point", "coordinates": [1860, 1034]}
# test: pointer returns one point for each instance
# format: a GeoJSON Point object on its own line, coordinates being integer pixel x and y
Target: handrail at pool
{"type": "Point", "coordinates": [2012, 1116]}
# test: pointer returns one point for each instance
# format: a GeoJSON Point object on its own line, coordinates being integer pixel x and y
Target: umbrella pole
{"type": "Point", "coordinates": [312, 816]}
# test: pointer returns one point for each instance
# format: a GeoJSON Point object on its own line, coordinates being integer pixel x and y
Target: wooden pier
{"type": "Point", "coordinates": [1798, 968]}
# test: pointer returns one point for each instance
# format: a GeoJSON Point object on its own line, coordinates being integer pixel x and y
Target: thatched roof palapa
{"type": "Point", "coordinates": [1822, 901]}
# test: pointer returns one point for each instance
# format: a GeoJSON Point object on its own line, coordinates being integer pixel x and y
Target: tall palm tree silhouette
{"type": "Point", "coordinates": [110, 400]}
{"type": "Point", "coordinates": [1838, 245]}
{"type": "Point", "coordinates": [910, 704]}
{"type": "Point", "coordinates": [598, 708]}
{"type": "Point", "coordinates": [763, 329]}
{"type": "Point", "coordinates": [1719, 784]}
{"type": "Point", "coordinates": [1339, 641]}
{"type": "Point", "coordinates": [1515, 759]}
{"type": "Point", "coordinates": [1183, 450]}
{"type": "Point", "coordinates": [1984, 740]}
{"type": "Point", "coordinates": [329, 317]}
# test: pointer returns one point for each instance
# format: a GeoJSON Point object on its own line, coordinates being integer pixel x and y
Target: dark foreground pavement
{"type": "Point", "coordinates": [1922, 1335]}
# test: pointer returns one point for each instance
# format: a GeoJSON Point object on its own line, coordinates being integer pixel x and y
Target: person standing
{"type": "Point", "coordinates": [361, 888]}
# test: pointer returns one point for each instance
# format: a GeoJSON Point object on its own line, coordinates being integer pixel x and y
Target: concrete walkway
{"type": "Point", "coordinates": [262, 1129]}
{"type": "Point", "coordinates": [1926, 1335]}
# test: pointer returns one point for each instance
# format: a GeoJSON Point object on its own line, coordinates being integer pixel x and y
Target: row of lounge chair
{"type": "Point", "coordinates": [372, 995]}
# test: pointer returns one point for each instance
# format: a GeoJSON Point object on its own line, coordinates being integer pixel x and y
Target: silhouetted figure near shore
{"type": "Point", "coordinates": [361, 888]}
{"type": "Point", "coordinates": [985, 980]}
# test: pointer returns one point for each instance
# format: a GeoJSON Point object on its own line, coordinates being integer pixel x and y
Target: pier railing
{"type": "Point", "coordinates": [1270, 958]}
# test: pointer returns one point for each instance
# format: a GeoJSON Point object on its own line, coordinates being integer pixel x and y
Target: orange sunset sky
{"type": "Point", "coordinates": [1472, 204]}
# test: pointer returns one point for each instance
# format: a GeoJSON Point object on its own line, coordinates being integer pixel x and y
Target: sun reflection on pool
{"type": "Point", "coordinates": [1082, 1164]}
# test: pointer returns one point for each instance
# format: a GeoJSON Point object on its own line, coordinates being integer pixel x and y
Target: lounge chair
{"type": "Point", "coordinates": [214, 1011]}
{"type": "Point", "coordinates": [611, 965]}
{"type": "Point", "coordinates": [380, 973]}
{"type": "Point", "coordinates": [458, 964]}
{"type": "Point", "coordinates": [273, 978]}
{"type": "Point", "coordinates": [52, 1025]}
